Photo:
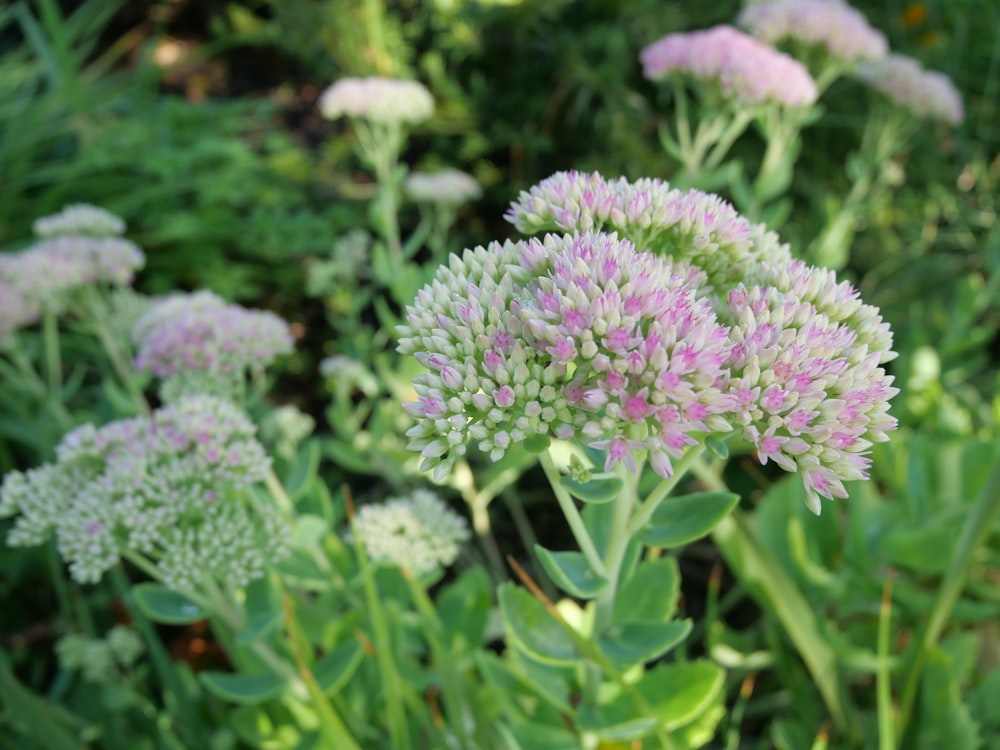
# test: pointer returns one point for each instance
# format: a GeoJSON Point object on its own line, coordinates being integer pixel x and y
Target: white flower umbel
{"type": "Point", "coordinates": [418, 531]}
{"type": "Point", "coordinates": [80, 219]}
{"type": "Point", "coordinates": [170, 492]}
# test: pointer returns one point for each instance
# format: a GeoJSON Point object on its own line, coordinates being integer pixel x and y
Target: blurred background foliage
{"type": "Point", "coordinates": [195, 120]}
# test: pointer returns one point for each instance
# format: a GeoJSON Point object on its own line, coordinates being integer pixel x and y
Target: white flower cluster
{"type": "Point", "coordinates": [418, 531]}
{"type": "Point", "coordinates": [285, 428]}
{"type": "Point", "coordinates": [150, 486]}
{"type": "Point", "coordinates": [100, 660]}
{"type": "Point", "coordinates": [80, 219]}
{"type": "Point", "coordinates": [389, 101]}
{"type": "Point", "coordinates": [451, 186]}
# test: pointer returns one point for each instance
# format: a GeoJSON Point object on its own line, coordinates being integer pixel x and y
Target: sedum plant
{"type": "Point", "coordinates": [605, 355]}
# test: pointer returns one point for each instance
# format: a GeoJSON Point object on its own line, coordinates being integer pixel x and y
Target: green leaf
{"type": "Point", "coordinates": [603, 488]}
{"type": "Point", "coordinates": [571, 572]}
{"type": "Point", "coordinates": [537, 443]}
{"type": "Point", "coordinates": [528, 736]}
{"type": "Point", "coordinates": [261, 626]}
{"type": "Point", "coordinates": [639, 642]}
{"type": "Point", "coordinates": [308, 532]}
{"type": "Point", "coordinates": [718, 448]}
{"type": "Point", "coordinates": [336, 667]}
{"type": "Point", "coordinates": [464, 607]}
{"type": "Point", "coordinates": [166, 606]}
{"type": "Point", "coordinates": [683, 519]}
{"type": "Point", "coordinates": [530, 626]}
{"type": "Point", "coordinates": [676, 694]}
{"type": "Point", "coordinates": [247, 689]}
{"type": "Point", "coordinates": [650, 593]}
{"type": "Point", "coordinates": [304, 471]}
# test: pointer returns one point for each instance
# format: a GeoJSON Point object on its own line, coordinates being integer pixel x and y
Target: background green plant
{"type": "Point", "coordinates": [239, 193]}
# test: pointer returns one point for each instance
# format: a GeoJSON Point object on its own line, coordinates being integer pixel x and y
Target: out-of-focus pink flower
{"type": "Point", "coordinates": [743, 68]}
{"type": "Point", "coordinates": [927, 94]}
{"type": "Point", "coordinates": [841, 30]}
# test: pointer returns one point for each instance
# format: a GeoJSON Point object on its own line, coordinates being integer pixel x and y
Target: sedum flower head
{"type": "Point", "coordinates": [198, 339]}
{"type": "Point", "coordinates": [166, 487]}
{"type": "Point", "coordinates": [744, 70]}
{"type": "Point", "coordinates": [451, 186]}
{"type": "Point", "coordinates": [418, 531]}
{"type": "Point", "coordinates": [389, 101]}
{"type": "Point", "coordinates": [80, 219]}
{"type": "Point", "coordinates": [806, 376]}
{"type": "Point", "coordinates": [690, 225]}
{"type": "Point", "coordinates": [842, 31]}
{"type": "Point", "coordinates": [573, 336]}
{"type": "Point", "coordinates": [927, 94]}
{"type": "Point", "coordinates": [47, 271]}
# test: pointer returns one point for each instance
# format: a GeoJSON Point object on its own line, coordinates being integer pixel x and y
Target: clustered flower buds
{"type": "Point", "coordinates": [47, 271]}
{"type": "Point", "coordinates": [100, 660]}
{"type": "Point", "coordinates": [927, 94]}
{"type": "Point", "coordinates": [200, 336]}
{"type": "Point", "coordinates": [451, 186]}
{"type": "Point", "coordinates": [80, 219]}
{"type": "Point", "coordinates": [834, 25]}
{"type": "Point", "coordinates": [684, 224]}
{"type": "Point", "coordinates": [632, 351]}
{"type": "Point", "coordinates": [806, 375]}
{"type": "Point", "coordinates": [573, 336]}
{"type": "Point", "coordinates": [419, 532]}
{"type": "Point", "coordinates": [383, 100]}
{"type": "Point", "coordinates": [172, 488]}
{"type": "Point", "coordinates": [742, 68]}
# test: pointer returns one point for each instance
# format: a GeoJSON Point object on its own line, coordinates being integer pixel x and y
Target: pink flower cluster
{"type": "Point", "coordinates": [744, 69]}
{"type": "Point", "coordinates": [574, 336]}
{"type": "Point", "coordinates": [686, 225]}
{"type": "Point", "coordinates": [927, 94]}
{"type": "Point", "coordinates": [46, 271]}
{"type": "Point", "coordinates": [841, 30]}
{"type": "Point", "coordinates": [581, 336]}
{"type": "Point", "coordinates": [201, 332]}
{"type": "Point", "coordinates": [805, 373]}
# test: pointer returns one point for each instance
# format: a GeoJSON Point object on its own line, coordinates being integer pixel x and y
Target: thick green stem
{"type": "Point", "coordinates": [664, 488]}
{"type": "Point", "coordinates": [618, 541]}
{"type": "Point", "coordinates": [573, 517]}
{"type": "Point", "coordinates": [733, 131]}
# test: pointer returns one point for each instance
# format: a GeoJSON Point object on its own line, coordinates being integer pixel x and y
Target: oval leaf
{"type": "Point", "coordinates": [261, 626]}
{"type": "Point", "coordinates": [166, 606]}
{"type": "Point", "coordinates": [683, 519]}
{"type": "Point", "coordinates": [532, 628]}
{"type": "Point", "coordinates": [242, 688]}
{"type": "Point", "coordinates": [718, 448]}
{"type": "Point", "coordinates": [650, 594]}
{"type": "Point", "coordinates": [639, 642]}
{"type": "Point", "coordinates": [601, 489]}
{"type": "Point", "coordinates": [537, 443]}
{"type": "Point", "coordinates": [677, 694]}
{"type": "Point", "coordinates": [335, 668]}
{"type": "Point", "coordinates": [571, 572]}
